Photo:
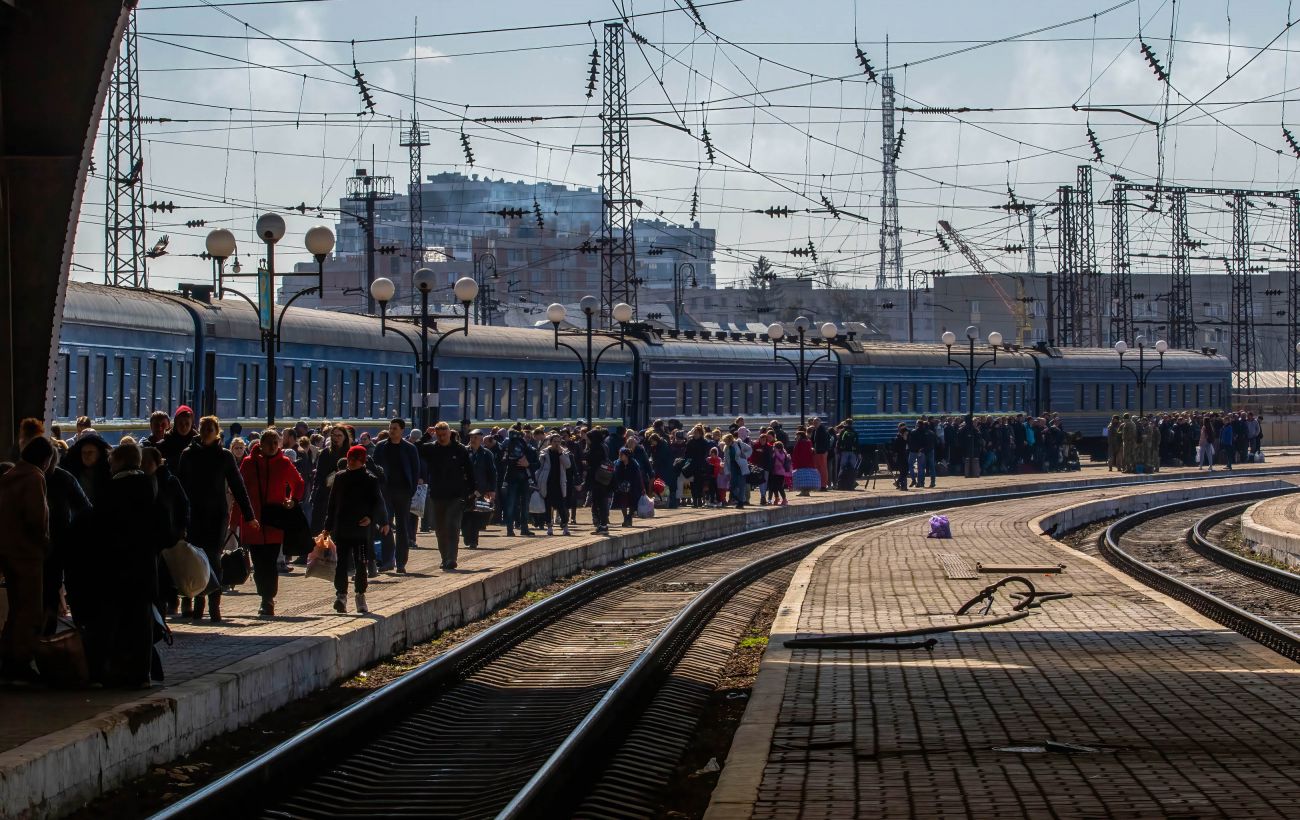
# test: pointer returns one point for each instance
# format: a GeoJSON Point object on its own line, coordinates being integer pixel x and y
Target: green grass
{"type": "Point", "coordinates": [758, 642]}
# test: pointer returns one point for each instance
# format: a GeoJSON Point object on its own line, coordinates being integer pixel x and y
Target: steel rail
{"type": "Point", "coordinates": [1200, 543]}
{"type": "Point", "coordinates": [1260, 630]}
{"type": "Point", "coordinates": [250, 784]}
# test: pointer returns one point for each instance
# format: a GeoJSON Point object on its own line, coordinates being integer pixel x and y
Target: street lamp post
{"type": "Point", "coordinates": [679, 291]}
{"type": "Point", "coordinates": [1142, 371]}
{"type": "Point", "coordinates": [382, 291]}
{"type": "Point", "coordinates": [220, 245]}
{"type": "Point", "coordinates": [912, 276]}
{"type": "Point", "coordinates": [483, 263]}
{"type": "Point", "coordinates": [590, 306]}
{"type": "Point", "coordinates": [972, 371]}
{"type": "Point", "coordinates": [802, 368]}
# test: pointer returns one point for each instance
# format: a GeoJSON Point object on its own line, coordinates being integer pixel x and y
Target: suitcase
{"type": "Point", "coordinates": [61, 657]}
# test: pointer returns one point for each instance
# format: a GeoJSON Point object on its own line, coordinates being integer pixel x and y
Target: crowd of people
{"type": "Point", "coordinates": [942, 445]}
{"type": "Point", "coordinates": [1143, 443]}
{"type": "Point", "coordinates": [88, 521]}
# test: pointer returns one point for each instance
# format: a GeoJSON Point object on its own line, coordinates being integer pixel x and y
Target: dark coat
{"type": "Point", "coordinates": [173, 499]}
{"type": "Point", "coordinates": [92, 479]}
{"type": "Point", "coordinates": [628, 483]}
{"type": "Point", "coordinates": [67, 503]}
{"type": "Point", "coordinates": [204, 473]}
{"type": "Point", "coordinates": [401, 463]}
{"type": "Point", "coordinates": [354, 497]}
{"type": "Point", "coordinates": [484, 464]}
{"type": "Point", "coordinates": [174, 445]}
{"type": "Point", "coordinates": [450, 474]}
{"type": "Point", "coordinates": [133, 525]}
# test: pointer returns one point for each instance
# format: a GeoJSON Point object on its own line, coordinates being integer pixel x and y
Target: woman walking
{"type": "Point", "coordinates": [273, 481]}
{"type": "Point", "coordinates": [628, 485]}
{"type": "Point", "coordinates": [779, 474]}
{"type": "Point", "coordinates": [806, 477]}
{"type": "Point", "coordinates": [1206, 452]}
{"type": "Point", "coordinates": [553, 483]}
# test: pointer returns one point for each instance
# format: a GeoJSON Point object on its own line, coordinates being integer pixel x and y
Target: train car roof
{"type": "Point", "coordinates": [1107, 357]}
{"type": "Point", "coordinates": [311, 326]}
{"type": "Point", "coordinates": [104, 306]}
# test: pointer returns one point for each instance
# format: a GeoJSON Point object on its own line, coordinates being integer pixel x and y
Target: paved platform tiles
{"type": "Point", "coordinates": [1189, 719]}
{"type": "Point", "coordinates": [1272, 526]}
{"type": "Point", "coordinates": [58, 749]}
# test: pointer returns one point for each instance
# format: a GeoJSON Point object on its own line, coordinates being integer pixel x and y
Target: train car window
{"type": "Point", "coordinates": [101, 386]}
{"type": "Point", "coordinates": [356, 394]}
{"type": "Point", "coordinates": [171, 383]}
{"type": "Point", "coordinates": [307, 394]}
{"type": "Point", "coordinates": [679, 401]}
{"type": "Point", "coordinates": [548, 395]}
{"type": "Point", "coordinates": [241, 389]}
{"type": "Point", "coordinates": [1079, 397]}
{"type": "Point", "coordinates": [65, 384]}
{"type": "Point", "coordinates": [136, 381]}
{"type": "Point", "coordinates": [119, 382]}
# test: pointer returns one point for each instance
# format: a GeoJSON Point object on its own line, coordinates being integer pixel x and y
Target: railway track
{"type": "Point", "coordinates": [1172, 549]}
{"type": "Point", "coordinates": [579, 705]}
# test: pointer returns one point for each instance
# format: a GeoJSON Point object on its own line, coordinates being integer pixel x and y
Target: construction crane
{"type": "Point", "coordinates": [1019, 307]}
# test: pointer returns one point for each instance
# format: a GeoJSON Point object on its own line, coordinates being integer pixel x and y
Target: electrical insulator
{"type": "Point", "coordinates": [1156, 68]}
{"type": "Point", "coordinates": [508, 213]}
{"type": "Point", "coordinates": [830, 206]}
{"type": "Point", "coordinates": [784, 210]}
{"type": "Point", "coordinates": [162, 206]}
{"type": "Point", "coordinates": [1096, 146]}
{"type": "Point", "coordinates": [708, 144]}
{"type": "Point", "coordinates": [537, 211]}
{"type": "Point", "coordinates": [196, 223]}
{"type": "Point", "coordinates": [865, 63]}
{"type": "Point", "coordinates": [464, 144]}
{"type": "Point", "coordinates": [1290, 141]}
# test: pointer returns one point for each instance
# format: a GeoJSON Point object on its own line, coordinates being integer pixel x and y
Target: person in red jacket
{"type": "Point", "coordinates": [271, 478]}
{"type": "Point", "coordinates": [806, 477]}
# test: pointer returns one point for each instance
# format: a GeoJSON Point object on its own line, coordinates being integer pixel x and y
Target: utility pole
{"type": "Point", "coordinates": [124, 252]}
{"type": "Point", "coordinates": [1243, 306]}
{"type": "Point", "coordinates": [618, 247]}
{"type": "Point", "coordinates": [1067, 277]}
{"type": "Point", "coordinates": [415, 139]}
{"type": "Point", "coordinates": [369, 189]}
{"type": "Point", "coordinates": [1121, 281]}
{"type": "Point", "coordinates": [1182, 321]}
{"type": "Point", "coordinates": [891, 250]}
{"type": "Point", "coordinates": [1293, 296]}
{"type": "Point", "coordinates": [1089, 304]}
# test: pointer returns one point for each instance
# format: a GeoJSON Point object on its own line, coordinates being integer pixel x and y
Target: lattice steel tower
{"type": "Point", "coordinates": [891, 249]}
{"type": "Point", "coordinates": [618, 247]}
{"type": "Point", "coordinates": [1182, 321]}
{"type": "Point", "coordinates": [1242, 350]}
{"type": "Point", "coordinates": [1090, 302]}
{"type": "Point", "coordinates": [1067, 277]}
{"type": "Point", "coordinates": [124, 253]}
{"type": "Point", "coordinates": [415, 139]}
{"type": "Point", "coordinates": [1293, 296]}
{"type": "Point", "coordinates": [1121, 281]}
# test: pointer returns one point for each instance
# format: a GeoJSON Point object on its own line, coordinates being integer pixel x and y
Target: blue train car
{"type": "Point", "coordinates": [1086, 386]}
{"type": "Point", "coordinates": [893, 383]}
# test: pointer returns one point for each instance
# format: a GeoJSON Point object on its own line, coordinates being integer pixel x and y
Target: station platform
{"type": "Point", "coordinates": [1162, 712]}
{"type": "Point", "coordinates": [59, 749]}
{"type": "Point", "coordinates": [1272, 527]}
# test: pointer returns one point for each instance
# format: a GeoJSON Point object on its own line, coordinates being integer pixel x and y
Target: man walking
{"type": "Point", "coordinates": [821, 441]}
{"type": "Point", "coordinates": [452, 487]}
{"type": "Point", "coordinates": [400, 462]}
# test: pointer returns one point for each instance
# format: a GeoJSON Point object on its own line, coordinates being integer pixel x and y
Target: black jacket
{"type": "Point", "coordinates": [450, 474]}
{"type": "Point", "coordinates": [354, 497]}
{"type": "Point", "coordinates": [174, 445]}
{"type": "Point", "coordinates": [484, 465]}
{"type": "Point", "coordinates": [67, 503]}
{"type": "Point", "coordinates": [92, 479]}
{"type": "Point", "coordinates": [697, 453]}
{"type": "Point", "coordinates": [205, 471]}
{"type": "Point", "coordinates": [173, 499]}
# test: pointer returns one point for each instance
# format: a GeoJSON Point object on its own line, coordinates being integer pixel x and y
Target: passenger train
{"type": "Point", "coordinates": [123, 353]}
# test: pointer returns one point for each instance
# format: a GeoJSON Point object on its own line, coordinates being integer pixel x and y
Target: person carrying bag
{"type": "Point", "coordinates": [277, 488]}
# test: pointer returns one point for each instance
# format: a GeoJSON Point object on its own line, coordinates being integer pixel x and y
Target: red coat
{"type": "Point", "coordinates": [269, 481]}
{"type": "Point", "coordinates": [803, 455]}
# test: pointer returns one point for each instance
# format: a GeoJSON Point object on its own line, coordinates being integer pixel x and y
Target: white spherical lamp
{"type": "Point", "coordinates": [1121, 347]}
{"type": "Point", "coordinates": [556, 313]}
{"type": "Point", "coordinates": [1162, 346]}
{"type": "Point", "coordinates": [948, 338]}
{"type": "Point", "coordinates": [465, 289]}
{"type": "Point", "coordinates": [776, 331]}
{"type": "Point", "coordinates": [995, 339]}
{"type": "Point", "coordinates": [972, 332]}
{"type": "Point", "coordinates": [830, 331]}
{"type": "Point", "coordinates": [801, 324]}
{"type": "Point", "coordinates": [382, 290]}
{"type": "Point", "coordinates": [319, 241]}
{"type": "Point", "coordinates": [220, 244]}
{"type": "Point", "coordinates": [270, 228]}
{"type": "Point", "coordinates": [622, 313]}
{"type": "Point", "coordinates": [424, 279]}
{"type": "Point", "coordinates": [589, 304]}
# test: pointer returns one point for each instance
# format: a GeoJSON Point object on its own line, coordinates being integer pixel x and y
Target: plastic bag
{"type": "Point", "coordinates": [939, 527]}
{"type": "Point", "coordinates": [188, 567]}
{"type": "Point", "coordinates": [324, 558]}
{"type": "Point", "coordinates": [418, 498]}
{"type": "Point", "coordinates": [645, 507]}
{"type": "Point", "coordinates": [536, 504]}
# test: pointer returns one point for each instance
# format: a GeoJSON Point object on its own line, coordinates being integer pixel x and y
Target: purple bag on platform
{"type": "Point", "coordinates": [939, 527]}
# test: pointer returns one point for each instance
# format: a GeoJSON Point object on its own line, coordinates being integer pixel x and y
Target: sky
{"type": "Point", "coordinates": [263, 113]}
